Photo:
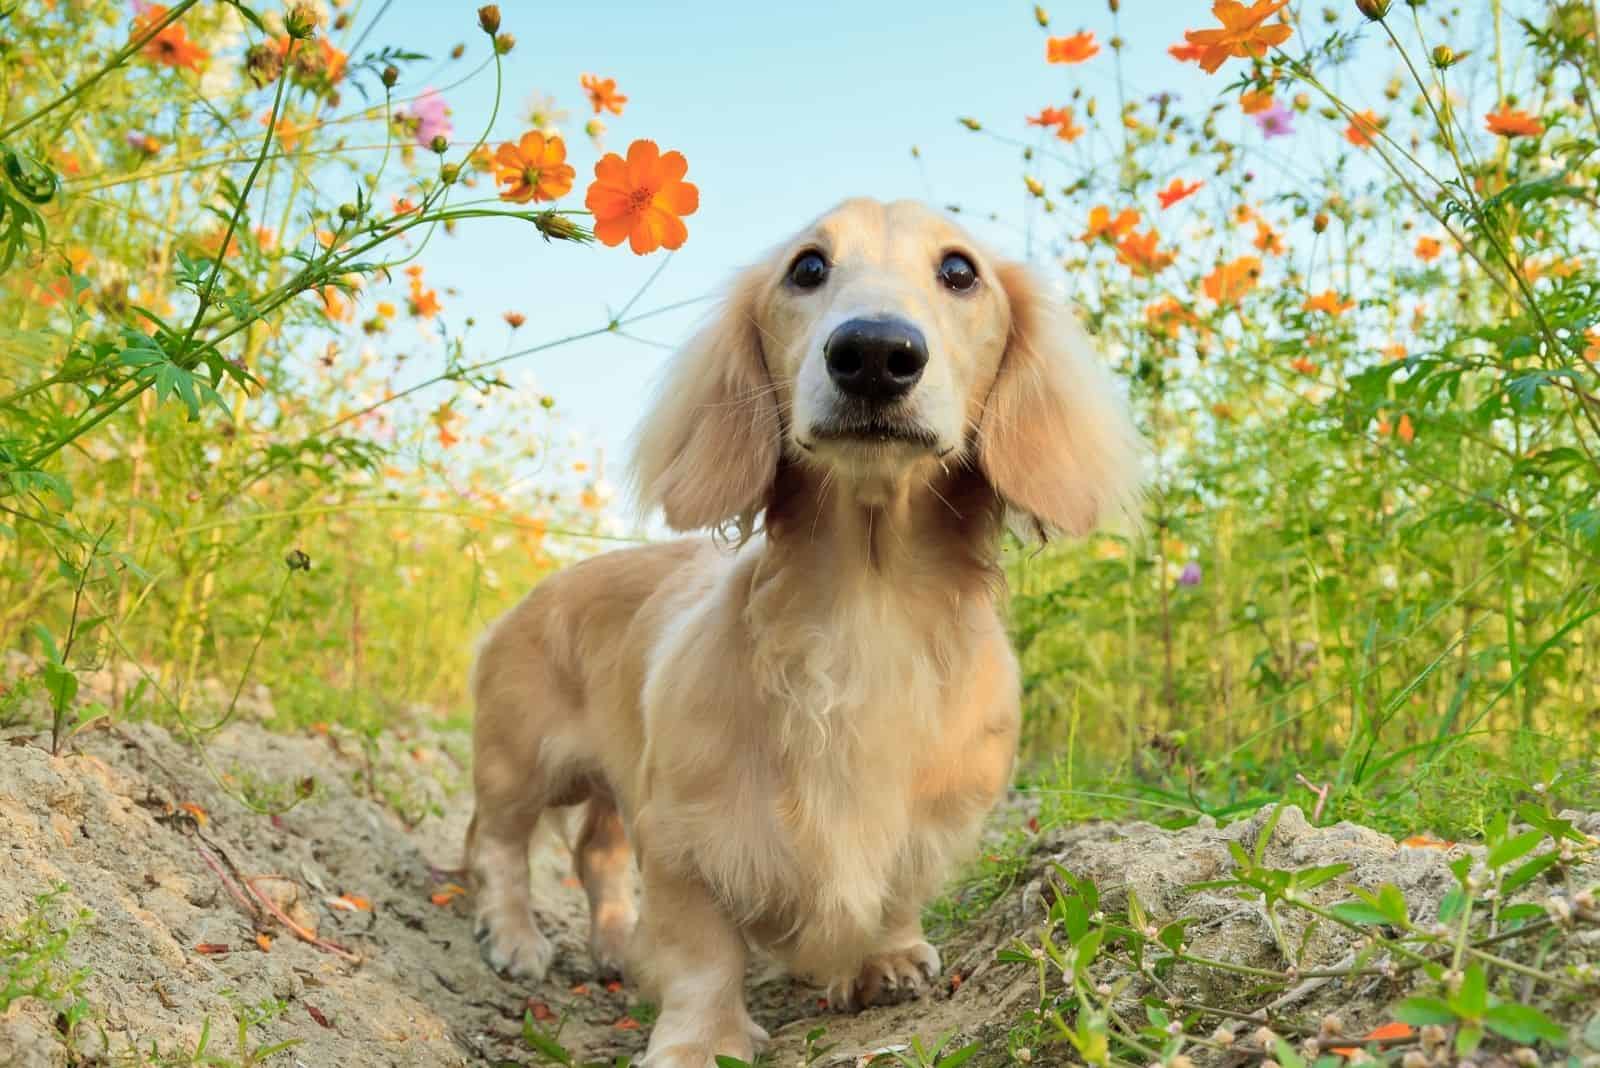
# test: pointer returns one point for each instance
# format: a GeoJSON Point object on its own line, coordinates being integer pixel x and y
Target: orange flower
{"type": "Point", "coordinates": [1361, 129]}
{"type": "Point", "coordinates": [535, 168]}
{"type": "Point", "coordinates": [1303, 365]}
{"type": "Point", "coordinates": [1328, 301]}
{"type": "Point", "coordinates": [1395, 351]}
{"type": "Point", "coordinates": [1267, 239]}
{"type": "Point", "coordinates": [1138, 252]}
{"type": "Point", "coordinates": [603, 93]}
{"type": "Point", "coordinates": [1186, 53]}
{"type": "Point", "coordinates": [1256, 101]}
{"type": "Point", "coordinates": [422, 303]}
{"type": "Point", "coordinates": [1061, 118]}
{"type": "Point", "coordinates": [1177, 191]}
{"type": "Point", "coordinates": [1508, 122]}
{"type": "Point", "coordinates": [1230, 281]}
{"type": "Point", "coordinates": [1074, 48]}
{"type": "Point", "coordinates": [1591, 349]}
{"type": "Point", "coordinates": [642, 199]}
{"type": "Point", "coordinates": [1428, 249]}
{"type": "Point", "coordinates": [1101, 224]}
{"type": "Point", "coordinates": [170, 47]}
{"type": "Point", "coordinates": [1243, 34]}
{"type": "Point", "coordinates": [1405, 431]}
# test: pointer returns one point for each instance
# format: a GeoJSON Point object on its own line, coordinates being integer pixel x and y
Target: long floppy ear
{"type": "Point", "coordinates": [708, 452]}
{"type": "Point", "coordinates": [1056, 439]}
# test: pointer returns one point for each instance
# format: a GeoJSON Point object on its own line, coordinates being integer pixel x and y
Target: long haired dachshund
{"type": "Point", "coordinates": [797, 728]}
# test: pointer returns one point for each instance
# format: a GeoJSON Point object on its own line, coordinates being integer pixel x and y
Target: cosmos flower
{"type": "Point", "coordinates": [642, 199]}
{"type": "Point", "coordinates": [432, 117]}
{"type": "Point", "coordinates": [1276, 121]}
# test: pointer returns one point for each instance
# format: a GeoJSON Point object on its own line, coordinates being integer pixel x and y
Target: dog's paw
{"type": "Point", "coordinates": [513, 946]}
{"type": "Point", "coordinates": [886, 978]}
{"type": "Point", "coordinates": [610, 929]}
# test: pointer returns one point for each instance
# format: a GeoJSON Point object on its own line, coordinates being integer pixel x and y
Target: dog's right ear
{"type": "Point", "coordinates": [708, 452]}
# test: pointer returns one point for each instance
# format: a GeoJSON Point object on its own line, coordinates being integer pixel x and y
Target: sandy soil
{"type": "Point", "coordinates": [170, 867]}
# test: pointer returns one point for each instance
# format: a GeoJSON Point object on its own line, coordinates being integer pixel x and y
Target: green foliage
{"type": "Point", "coordinates": [33, 962]}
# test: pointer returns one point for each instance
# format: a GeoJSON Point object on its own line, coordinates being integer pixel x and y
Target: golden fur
{"type": "Point", "coordinates": [796, 728]}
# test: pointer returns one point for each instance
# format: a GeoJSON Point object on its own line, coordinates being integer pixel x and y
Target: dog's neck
{"type": "Point", "coordinates": [939, 524]}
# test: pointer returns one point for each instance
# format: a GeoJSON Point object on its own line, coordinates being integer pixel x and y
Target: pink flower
{"type": "Point", "coordinates": [432, 117]}
{"type": "Point", "coordinates": [1276, 121]}
{"type": "Point", "coordinates": [1190, 575]}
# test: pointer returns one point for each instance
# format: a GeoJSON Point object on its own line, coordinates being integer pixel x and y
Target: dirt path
{"type": "Point", "coordinates": [171, 946]}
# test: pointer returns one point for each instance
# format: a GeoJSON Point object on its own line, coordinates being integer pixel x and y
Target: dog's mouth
{"type": "Point", "coordinates": [872, 430]}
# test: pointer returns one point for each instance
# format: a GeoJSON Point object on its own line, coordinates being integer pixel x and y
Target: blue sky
{"type": "Point", "coordinates": [782, 110]}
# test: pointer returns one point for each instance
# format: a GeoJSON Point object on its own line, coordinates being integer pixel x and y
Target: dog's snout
{"type": "Point", "coordinates": [876, 360]}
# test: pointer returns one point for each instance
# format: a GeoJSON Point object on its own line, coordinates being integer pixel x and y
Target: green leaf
{"type": "Point", "coordinates": [1424, 1011]}
{"type": "Point", "coordinates": [1088, 949]}
{"type": "Point", "coordinates": [1359, 912]}
{"type": "Point", "coordinates": [1514, 848]}
{"type": "Point", "coordinates": [1467, 1039]}
{"type": "Point", "coordinates": [544, 1045]}
{"type": "Point", "coordinates": [1473, 998]}
{"type": "Point", "coordinates": [1451, 904]}
{"type": "Point", "coordinates": [60, 683]}
{"type": "Point", "coordinates": [1307, 878]}
{"type": "Point", "coordinates": [1526, 873]}
{"type": "Point", "coordinates": [1524, 1024]}
{"type": "Point", "coordinates": [960, 1056]}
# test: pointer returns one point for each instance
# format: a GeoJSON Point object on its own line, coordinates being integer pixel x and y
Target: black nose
{"type": "Point", "coordinates": [877, 360]}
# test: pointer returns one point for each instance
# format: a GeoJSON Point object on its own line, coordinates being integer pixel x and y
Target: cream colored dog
{"type": "Point", "coordinates": [800, 733]}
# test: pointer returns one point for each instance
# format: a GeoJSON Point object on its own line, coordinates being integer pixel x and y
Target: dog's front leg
{"type": "Point", "coordinates": [691, 958]}
{"type": "Point", "coordinates": [900, 965]}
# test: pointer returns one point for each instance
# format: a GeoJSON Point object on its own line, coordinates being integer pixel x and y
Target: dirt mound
{"type": "Point", "coordinates": [191, 894]}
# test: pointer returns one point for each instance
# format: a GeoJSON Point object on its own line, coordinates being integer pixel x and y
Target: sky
{"type": "Point", "coordinates": [782, 110]}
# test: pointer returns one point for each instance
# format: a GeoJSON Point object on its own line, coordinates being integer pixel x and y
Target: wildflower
{"type": "Point", "coordinates": [429, 116]}
{"type": "Point", "coordinates": [603, 94]}
{"type": "Point", "coordinates": [402, 206]}
{"type": "Point", "coordinates": [1362, 128]}
{"type": "Point", "coordinates": [1373, 9]}
{"type": "Point", "coordinates": [1276, 121]}
{"type": "Point", "coordinates": [642, 199]}
{"type": "Point", "coordinates": [1428, 249]}
{"type": "Point", "coordinates": [1267, 239]}
{"type": "Point", "coordinates": [171, 46]}
{"type": "Point", "coordinates": [1230, 281]}
{"type": "Point", "coordinates": [1061, 119]}
{"type": "Point", "coordinates": [422, 303]}
{"type": "Point", "coordinates": [1591, 349]}
{"type": "Point", "coordinates": [1405, 431]}
{"type": "Point", "coordinates": [596, 130]}
{"type": "Point", "coordinates": [263, 63]}
{"type": "Point", "coordinates": [1328, 302]}
{"type": "Point", "coordinates": [1186, 53]}
{"type": "Point", "coordinates": [1303, 365]}
{"type": "Point", "coordinates": [1176, 191]}
{"type": "Point", "coordinates": [385, 308]}
{"type": "Point", "coordinates": [1243, 33]}
{"type": "Point", "coordinates": [1101, 224]}
{"type": "Point", "coordinates": [1138, 252]}
{"type": "Point", "coordinates": [1074, 48]}
{"type": "Point", "coordinates": [1509, 122]}
{"type": "Point", "coordinates": [489, 19]}
{"type": "Point", "coordinates": [515, 319]}
{"type": "Point", "coordinates": [1166, 315]}
{"type": "Point", "coordinates": [1190, 575]}
{"type": "Point", "coordinates": [1256, 101]}
{"type": "Point", "coordinates": [144, 144]}
{"type": "Point", "coordinates": [1444, 57]}
{"type": "Point", "coordinates": [534, 168]}
{"type": "Point", "coordinates": [544, 113]}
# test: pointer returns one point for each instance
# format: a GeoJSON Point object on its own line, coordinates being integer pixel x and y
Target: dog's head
{"type": "Point", "coordinates": [879, 345]}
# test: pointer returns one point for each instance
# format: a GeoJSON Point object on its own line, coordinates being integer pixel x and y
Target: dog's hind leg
{"type": "Point", "coordinates": [604, 861]}
{"type": "Point", "coordinates": [497, 857]}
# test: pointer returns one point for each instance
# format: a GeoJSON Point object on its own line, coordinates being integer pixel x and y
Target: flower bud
{"type": "Point", "coordinates": [560, 228]}
{"type": "Point", "coordinates": [504, 43]}
{"type": "Point", "coordinates": [449, 172]}
{"type": "Point", "coordinates": [297, 560]}
{"type": "Point", "coordinates": [489, 19]}
{"type": "Point", "coordinates": [391, 75]}
{"type": "Point", "coordinates": [301, 22]}
{"type": "Point", "coordinates": [1041, 16]}
{"type": "Point", "coordinates": [1444, 57]}
{"type": "Point", "coordinates": [1373, 9]}
{"type": "Point", "coordinates": [970, 123]}
{"type": "Point", "coordinates": [1319, 222]}
{"type": "Point", "coordinates": [349, 211]}
{"type": "Point", "coordinates": [439, 144]}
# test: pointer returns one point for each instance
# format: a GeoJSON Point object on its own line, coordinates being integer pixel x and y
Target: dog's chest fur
{"type": "Point", "coordinates": [853, 694]}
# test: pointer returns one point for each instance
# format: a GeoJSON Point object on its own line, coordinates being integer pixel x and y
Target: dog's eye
{"type": "Point", "coordinates": [809, 270]}
{"type": "Point", "coordinates": [957, 273]}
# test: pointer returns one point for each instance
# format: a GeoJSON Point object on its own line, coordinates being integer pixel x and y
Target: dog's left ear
{"type": "Point", "coordinates": [1055, 438]}
{"type": "Point", "coordinates": [708, 452]}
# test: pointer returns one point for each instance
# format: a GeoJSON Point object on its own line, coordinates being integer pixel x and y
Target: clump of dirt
{"type": "Point", "coordinates": [190, 892]}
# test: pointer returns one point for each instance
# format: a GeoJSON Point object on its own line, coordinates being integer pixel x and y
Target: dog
{"type": "Point", "coordinates": [797, 724]}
